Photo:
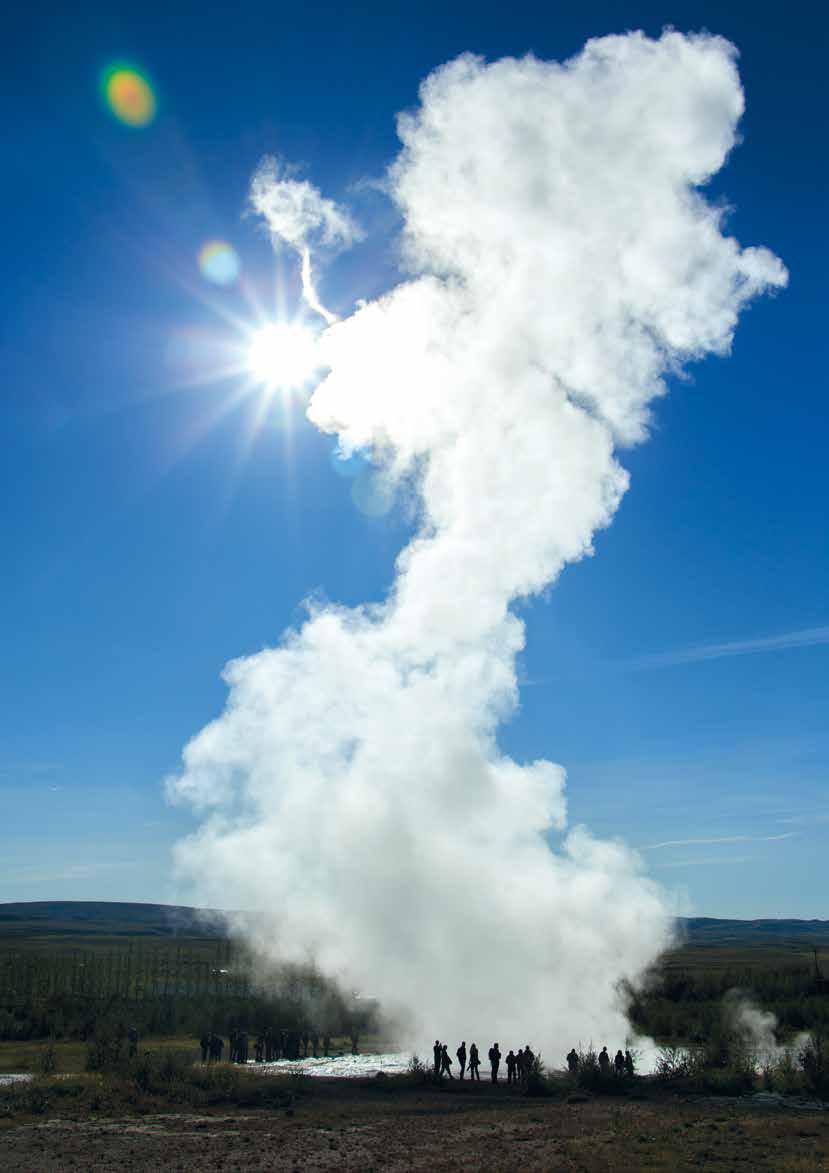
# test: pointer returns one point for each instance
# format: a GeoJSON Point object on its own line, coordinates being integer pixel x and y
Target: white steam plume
{"type": "Point", "coordinates": [755, 1030]}
{"type": "Point", "coordinates": [353, 789]}
{"type": "Point", "coordinates": [296, 213]}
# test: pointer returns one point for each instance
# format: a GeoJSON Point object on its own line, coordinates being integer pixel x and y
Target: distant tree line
{"type": "Point", "coordinates": [178, 989]}
{"type": "Point", "coordinates": [685, 1004]}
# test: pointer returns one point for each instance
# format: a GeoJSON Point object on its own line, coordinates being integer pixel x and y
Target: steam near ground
{"type": "Point", "coordinates": [755, 1030]}
{"type": "Point", "coordinates": [562, 259]}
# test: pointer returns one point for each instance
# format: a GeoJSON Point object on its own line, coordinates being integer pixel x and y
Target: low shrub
{"type": "Point", "coordinates": [590, 1076]}
{"type": "Point", "coordinates": [702, 1071]}
{"type": "Point", "coordinates": [782, 1075]}
{"type": "Point", "coordinates": [536, 1081]}
{"type": "Point", "coordinates": [418, 1067]}
{"type": "Point", "coordinates": [814, 1059]}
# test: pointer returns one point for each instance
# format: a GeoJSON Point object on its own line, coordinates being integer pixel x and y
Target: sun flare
{"type": "Point", "coordinates": [282, 354]}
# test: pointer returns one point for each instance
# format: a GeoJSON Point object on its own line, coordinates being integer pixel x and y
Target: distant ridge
{"type": "Point", "coordinates": [89, 918]}
{"type": "Point", "coordinates": [706, 930]}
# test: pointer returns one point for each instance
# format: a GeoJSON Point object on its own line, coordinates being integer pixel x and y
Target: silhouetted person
{"type": "Point", "coordinates": [628, 1063]}
{"type": "Point", "coordinates": [233, 1042]}
{"type": "Point", "coordinates": [619, 1063]}
{"type": "Point", "coordinates": [511, 1060]}
{"type": "Point", "coordinates": [242, 1043]}
{"type": "Point", "coordinates": [305, 1041]}
{"type": "Point", "coordinates": [572, 1061]}
{"type": "Point", "coordinates": [494, 1061]}
{"type": "Point", "coordinates": [461, 1054]}
{"type": "Point", "coordinates": [259, 1049]}
{"type": "Point", "coordinates": [529, 1059]}
{"type": "Point", "coordinates": [217, 1045]}
{"type": "Point", "coordinates": [446, 1062]}
{"type": "Point", "coordinates": [315, 1042]}
{"type": "Point", "coordinates": [355, 1040]}
{"type": "Point", "coordinates": [204, 1043]}
{"type": "Point", "coordinates": [132, 1039]}
{"type": "Point", "coordinates": [519, 1065]}
{"type": "Point", "coordinates": [326, 1043]}
{"type": "Point", "coordinates": [474, 1062]}
{"type": "Point", "coordinates": [436, 1051]}
{"type": "Point", "coordinates": [604, 1061]}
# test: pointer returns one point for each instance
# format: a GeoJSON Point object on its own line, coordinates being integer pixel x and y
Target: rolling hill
{"type": "Point", "coordinates": [109, 918]}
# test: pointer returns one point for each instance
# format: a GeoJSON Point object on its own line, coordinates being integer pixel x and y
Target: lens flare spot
{"type": "Point", "coordinates": [129, 95]}
{"type": "Point", "coordinates": [373, 494]}
{"type": "Point", "coordinates": [283, 354]}
{"type": "Point", "coordinates": [219, 262]}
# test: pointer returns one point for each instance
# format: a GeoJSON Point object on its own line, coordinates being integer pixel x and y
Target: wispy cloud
{"type": "Point", "coordinates": [705, 862]}
{"type": "Point", "coordinates": [719, 839]}
{"type": "Point", "coordinates": [808, 638]}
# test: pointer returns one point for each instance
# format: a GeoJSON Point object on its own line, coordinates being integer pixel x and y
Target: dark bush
{"type": "Point", "coordinates": [814, 1059]}
{"type": "Point", "coordinates": [536, 1082]}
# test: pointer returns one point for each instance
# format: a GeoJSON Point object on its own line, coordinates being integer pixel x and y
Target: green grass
{"type": "Point", "coordinates": [70, 1054]}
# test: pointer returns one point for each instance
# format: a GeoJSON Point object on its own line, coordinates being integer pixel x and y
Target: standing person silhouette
{"type": "Point", "coordinates": [474, 1062]}
{"type": "Point", "coordinates": [438, 1054]}
{"type": "Point", "coordinates": [461, 1054]}
{"type": "Point", "coordinates": [446, 1062]}
{"type": "Point", "coordinates": [494, 1061]}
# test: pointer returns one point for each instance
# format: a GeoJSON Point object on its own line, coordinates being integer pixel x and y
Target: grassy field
{"type": "Point", "coordinates": [70, 1054]}
{"type": "Point", "coordinates": [763, 956]}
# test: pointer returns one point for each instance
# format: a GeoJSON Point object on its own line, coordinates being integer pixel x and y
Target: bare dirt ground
{"type": "Point", "coordinates": [335, 1126]}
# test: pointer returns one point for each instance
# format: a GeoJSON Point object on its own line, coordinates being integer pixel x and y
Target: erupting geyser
{"type": "Point", "coordinates": [562, 259]}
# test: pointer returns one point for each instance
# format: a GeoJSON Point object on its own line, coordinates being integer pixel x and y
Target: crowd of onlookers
{"type": "Point", "coordinates": [622, 1063]}
{"type": "Point", "coordinates": [519, 1064]}
{"type": "Point", "coordinates": [272, 1045]}
{"type": "Point", "coordinates": [269, 1045]}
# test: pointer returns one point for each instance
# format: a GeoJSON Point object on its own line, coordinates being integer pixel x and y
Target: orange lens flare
{"type": "Point", "coordinates": [129, 95]}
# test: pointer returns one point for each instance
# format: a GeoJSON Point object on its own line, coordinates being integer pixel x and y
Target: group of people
{"type": "Point", "coordinates": [622, 1063]}
{"type": "Point", "coordinates": [212, 1047]}
{"type": "Point", "coordinates": [269, 1046]}
{"type": "Point", "coordinates": [518, 1065]}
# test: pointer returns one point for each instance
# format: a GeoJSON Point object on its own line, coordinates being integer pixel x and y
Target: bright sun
{"type": "Point", "coordinates": [282, 355]}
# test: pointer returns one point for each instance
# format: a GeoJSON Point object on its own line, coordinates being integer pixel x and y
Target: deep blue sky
{"type": "Point", "coordinates": [144, 543]}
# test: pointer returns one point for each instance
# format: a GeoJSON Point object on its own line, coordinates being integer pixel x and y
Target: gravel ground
{"type": "Point", "coordinates": [334, 1127]}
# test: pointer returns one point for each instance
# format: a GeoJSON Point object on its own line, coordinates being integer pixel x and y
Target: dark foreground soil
{"type": "Point", "coordinates": [337, 1125]}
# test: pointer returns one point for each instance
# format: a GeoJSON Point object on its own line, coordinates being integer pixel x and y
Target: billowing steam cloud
{"type": "Point", "coordinates": [563, 259]}
{"type": "Point", "coordinates": [296, 213]}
